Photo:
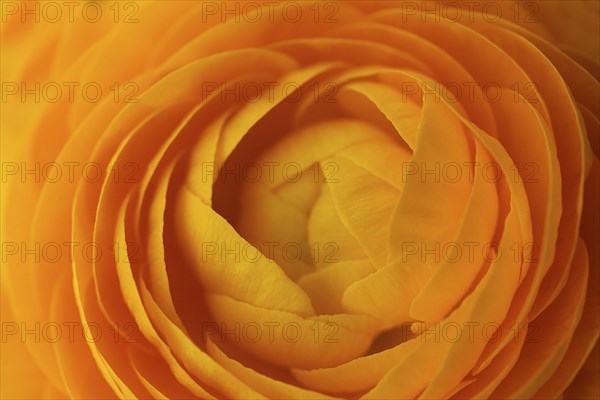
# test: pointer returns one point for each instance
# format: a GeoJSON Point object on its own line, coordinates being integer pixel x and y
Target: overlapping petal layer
{"type": "Point", "coordinates": [423, 223]}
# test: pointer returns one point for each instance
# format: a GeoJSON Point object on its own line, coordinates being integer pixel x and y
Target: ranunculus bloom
{"type": "Point", "coordinates": [300, 200]}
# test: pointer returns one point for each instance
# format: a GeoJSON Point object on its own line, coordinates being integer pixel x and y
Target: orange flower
{"type": "Point", "coordinates": [300, 200]}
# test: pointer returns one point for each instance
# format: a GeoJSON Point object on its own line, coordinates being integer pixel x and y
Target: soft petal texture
{"type": "Point", "coordinates": [366, 110]}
